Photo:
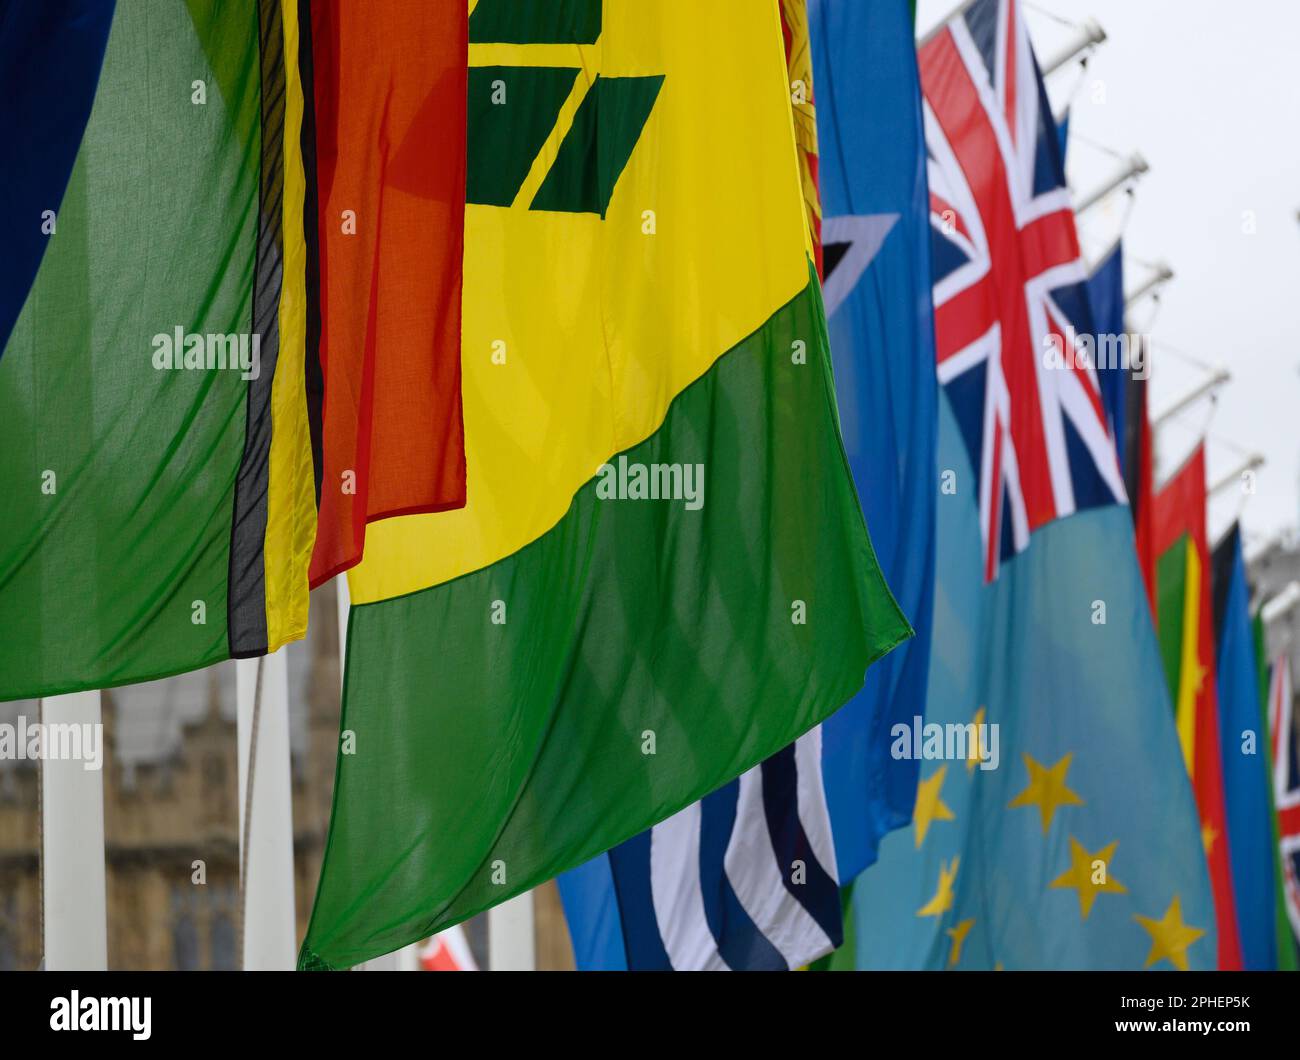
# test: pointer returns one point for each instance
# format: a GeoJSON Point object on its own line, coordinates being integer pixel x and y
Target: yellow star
{"type": "Point", "coordinates": [930, 806]}
{"type": "Point", "coordinates": [1170, 937]}
{"type": "Point", "coordinates": [1208, 836]}
{"type": "Point", "coordinates": [1083, 872]}
{"type": "Point", "coordinates": [1047, 790]}
{"type": "Point", "coordinates": [942, 900]}
{"type": "Point", "coordinates": [976, 750]}
{"type": "Point", "coordinates": [958, 935]}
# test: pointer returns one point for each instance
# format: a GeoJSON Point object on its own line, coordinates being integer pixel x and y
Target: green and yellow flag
{"type": "Point", "coordinates": [662, 575]}
{"type": "Point", "coordinates": [157, 471]}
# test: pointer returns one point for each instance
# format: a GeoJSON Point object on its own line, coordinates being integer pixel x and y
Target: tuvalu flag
{"type": "Point", "coordinates": [157, 465]}
{"type": "Point", "coordinates": [1184, 594]}
{"type": "Point", "coordinates": [385, 157]}
{"type": "Point", "coordinates": [1076, 844]}
{"type": "Point", "coordinates": [662, 575]}
{"type": "Point", "coordinates": [1033, 843]}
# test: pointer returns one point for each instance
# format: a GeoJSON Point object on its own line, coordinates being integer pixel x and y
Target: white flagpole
{"type": "Point", "coordinates": [512, 939]}
{"type": "Point", "coordinates": [407, 959]}
{"type": "Point", "coordinates": [345, 605]}
{"type": "Point", "coordinates": [266, 816]}
{"type": "Point", "coordinates": [72, 839]}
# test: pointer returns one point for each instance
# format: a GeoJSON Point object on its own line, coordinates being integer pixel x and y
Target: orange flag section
{"type": "Point", "coordinates": [389, 189]}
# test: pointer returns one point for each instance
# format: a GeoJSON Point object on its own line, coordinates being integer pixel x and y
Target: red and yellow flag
{"type": "Point", "coordinates": [1185, 620]}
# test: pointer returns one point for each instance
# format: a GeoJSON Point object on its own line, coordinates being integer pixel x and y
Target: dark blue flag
{"type": "Point", "coordinates": [50, 56]}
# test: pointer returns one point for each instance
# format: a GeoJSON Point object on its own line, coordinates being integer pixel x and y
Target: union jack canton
{"type": "Point", "coordinates": [1010, 284]}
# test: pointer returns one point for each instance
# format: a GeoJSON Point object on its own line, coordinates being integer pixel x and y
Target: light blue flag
{"type": "Point", "coordinates": [1080, 848]}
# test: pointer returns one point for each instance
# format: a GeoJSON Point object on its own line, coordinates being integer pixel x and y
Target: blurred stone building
{"type": "Point", "coordinates": [171, 817]}
{"type": "Point", "coordinates": [1272, 569]}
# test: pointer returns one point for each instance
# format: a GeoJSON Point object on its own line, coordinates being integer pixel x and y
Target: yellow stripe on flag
{"type": "Point", "coordinates": [1191, 675]}
{"type": "Point", "coordinates": [291, 495]}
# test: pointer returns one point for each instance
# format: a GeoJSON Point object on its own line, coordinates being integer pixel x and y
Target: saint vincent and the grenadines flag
{"type": "Point", "coordinates": [545, 673]}
{"type": "Point", "coordinates": [1184, 594]}
{"type": "Point", "coordinates": [159, 498]}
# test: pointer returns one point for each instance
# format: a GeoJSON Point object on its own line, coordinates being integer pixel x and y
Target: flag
{"type": "Point", "coordinates": [1247, 759]}
{"type": "Point", "coordinates": [1288, 957]}
{"type": "Point", "coordinates": [1034, 840]}
{"type": "Point", "coordinates": [878, 304]}
{"type": "Point", "coordinates": [744, 880]}
{"type": "Point", "coordinates": [661, 576]}
{"type": "Point", "coordinates": [385, 214]}
{"type": "Point", "coordinates": [1010, 295]}
{"type": "Point", "coordinates": [447, 951]}
{"type": "Point", "coordinates": [799, 67]}
{"type": "Point", "coordinates": [877, 299]}
{"type": "Point", "coordinates": [881, 324]}
{"type": "Point", "coordinates": [1080, 849]}
{"type": "Point", "coordinates": [1122, 374]}
{"type": "Point", "coordinates": [1106, 298]}
{"type": "Point", "coordinates": [50, 58]}
{"type": "Point", "coordinates": [1185, 621]}
{"type": "Point", "coordinates": [159, 498]}
{"type": "Point", "coordinates": [1286, 788]}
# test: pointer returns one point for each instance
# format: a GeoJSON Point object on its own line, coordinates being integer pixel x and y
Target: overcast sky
{"type": "Point", "coordinates": [1209, 93]}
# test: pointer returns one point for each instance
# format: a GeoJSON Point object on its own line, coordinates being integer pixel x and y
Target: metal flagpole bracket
{"type": "Point", "coordinates": [1252, 463]}
{"type": "Point", "coordinates": [1088, 35]}
{"type": "Point", "coordinates": [1133, 168]}
{"type": "Point", "coordinates": [1151, 286]}
{"type": "Point", "coordinates": [1284, 602]}
{"type": "Point", "coordinates": [1201, 390]}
